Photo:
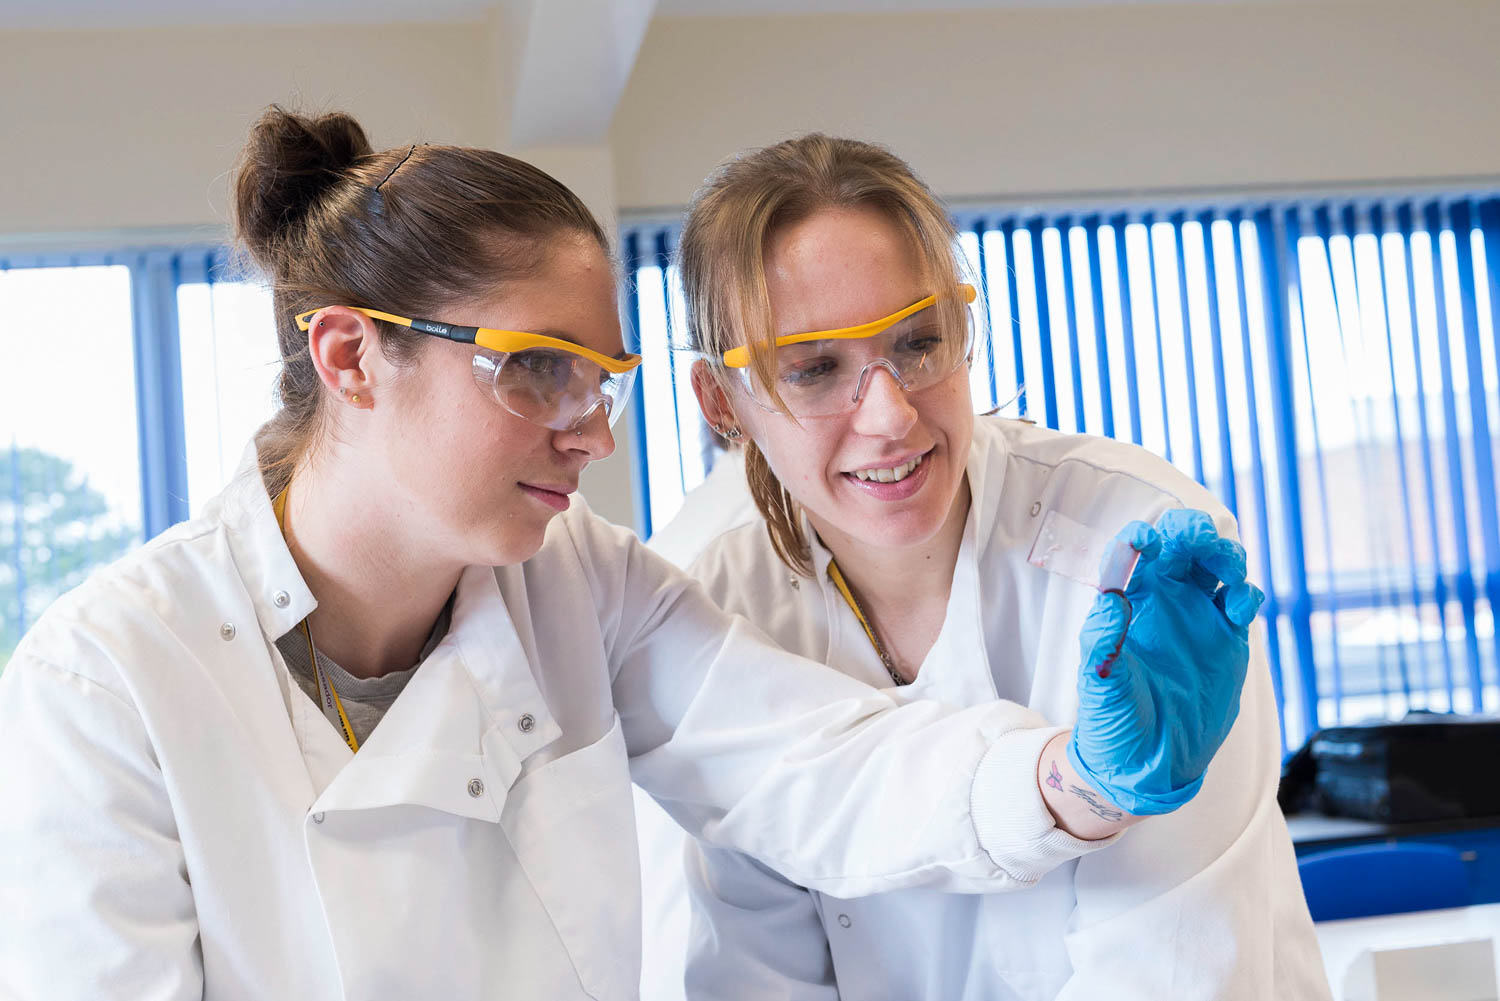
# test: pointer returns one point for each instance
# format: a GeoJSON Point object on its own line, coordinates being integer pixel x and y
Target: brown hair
{"type": "Point", "coordinates": [328, 221]}
{"type": "Point", "coordinates": [721, 258]}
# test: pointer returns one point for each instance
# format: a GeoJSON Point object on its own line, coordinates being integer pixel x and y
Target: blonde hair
{"type": "Point", "coordinates": [721, 259]}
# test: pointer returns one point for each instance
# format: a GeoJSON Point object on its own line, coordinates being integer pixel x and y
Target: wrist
{"type": "Point", "coordinates": [1077, 807]}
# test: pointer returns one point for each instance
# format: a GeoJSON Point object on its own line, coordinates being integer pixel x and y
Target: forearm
{"type": "Point", "coordinates": [1076, 806]}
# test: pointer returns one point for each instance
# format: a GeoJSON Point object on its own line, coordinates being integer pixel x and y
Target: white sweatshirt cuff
{"type": "Point", "coordinates": [1011, 819]}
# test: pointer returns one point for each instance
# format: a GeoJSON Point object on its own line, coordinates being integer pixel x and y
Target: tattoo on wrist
{"type": "Point", "coordinates": [1055, 779]}
{"type": "Point", "coordinates": [1097, 807]}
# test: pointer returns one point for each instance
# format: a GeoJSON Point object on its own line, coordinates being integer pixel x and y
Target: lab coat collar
{"type": "Point", "coordinates": [279, 594]}
{"type": "Point", "coordinates": [989, 453]}
{"type": "Point", "coordinates": [473, 711]}
{"type": "Point", "coordinates": [469, 717]}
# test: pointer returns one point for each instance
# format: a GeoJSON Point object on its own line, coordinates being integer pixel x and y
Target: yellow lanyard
{"type": "Point", "coordinates": [328, 695]}
{"type": "Point", "coordinates": [837, 576]}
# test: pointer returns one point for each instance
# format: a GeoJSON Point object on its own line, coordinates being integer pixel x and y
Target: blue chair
{"type": "Point", "coordinates": [1383, 879]}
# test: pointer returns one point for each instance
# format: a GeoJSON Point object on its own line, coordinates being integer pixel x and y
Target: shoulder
{"type": "Point", "coordinates": [1105, 469]}
{"type": "Point", "coordinates": [742, 573]}
{"type": "Point", "coordinates": [131, 612]}
{"type": "Point", "coordinates": [607, 557]}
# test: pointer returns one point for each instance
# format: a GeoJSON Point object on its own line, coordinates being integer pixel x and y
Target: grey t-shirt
{"type": "Point", "coordinates": [365, 699]}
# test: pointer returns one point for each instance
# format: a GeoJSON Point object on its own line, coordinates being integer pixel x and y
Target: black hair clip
{"type": "Point", "coordinates": [377, 200]}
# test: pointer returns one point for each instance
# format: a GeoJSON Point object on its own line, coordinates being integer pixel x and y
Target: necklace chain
{"type": "Point", "coordinates": [837, 576]}
{"type": "Point", "coordinates": [328, 696]}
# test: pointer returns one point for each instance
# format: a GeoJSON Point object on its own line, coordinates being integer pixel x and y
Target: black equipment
{"type": "Point", "coordinates": [1425, 767]}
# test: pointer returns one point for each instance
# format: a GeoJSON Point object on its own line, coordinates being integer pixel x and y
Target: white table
{"type": "Point", "coordinates": [1343, 941]}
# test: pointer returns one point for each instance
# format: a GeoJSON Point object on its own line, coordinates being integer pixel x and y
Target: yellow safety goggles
{"type": "Point", "coordinates": [824, 372]}
{"type": "Point", "coordinates": [547, 380]}
{"type": "Point", "coordinates": [740, 357]}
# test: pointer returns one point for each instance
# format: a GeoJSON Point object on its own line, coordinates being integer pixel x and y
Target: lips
{"type": "Point", "coordinates": [894, 473]}
{"type": "Point", "coordinates": [898, 480]}
{"type": "Point", "coordinates": [554, 495]}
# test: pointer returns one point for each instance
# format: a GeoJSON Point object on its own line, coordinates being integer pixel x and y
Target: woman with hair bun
{"type": "Point", "coordinates": [366, 728]}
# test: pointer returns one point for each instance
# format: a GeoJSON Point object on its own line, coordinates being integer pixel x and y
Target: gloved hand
{"type": "Point", "coordinates": [1163, 665]}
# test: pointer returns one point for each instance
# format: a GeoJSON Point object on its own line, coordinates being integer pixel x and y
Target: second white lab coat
{"type": "Point", "coordinates": [179, 821]}
{"type": "Point", "coordinates": [719, 503]}
{"type": "Point", "coordinates": [1204, 903]}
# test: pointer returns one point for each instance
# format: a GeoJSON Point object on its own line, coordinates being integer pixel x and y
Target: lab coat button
{"type": "Point", "coordinates": [844, 921]}
{"type": "Point", "coordinates": [476, 788]}
{"type": "Point", "coordinates": [282, 599]}
{"type": "Point", "coordinates": [527, 722]}
{"type": "Point", "coordinates": [1036, 508]}
{"type": "Point", "coordinates": [226, 631]}
{"type": "Point", "coordinates": [317, 818]}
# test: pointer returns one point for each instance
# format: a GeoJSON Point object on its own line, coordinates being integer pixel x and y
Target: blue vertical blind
{"type": "Point", "coordinates": [1327, 369]}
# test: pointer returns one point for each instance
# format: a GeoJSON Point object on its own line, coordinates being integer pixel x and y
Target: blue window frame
{"type": "Point", "coordinates": [1326, 367]}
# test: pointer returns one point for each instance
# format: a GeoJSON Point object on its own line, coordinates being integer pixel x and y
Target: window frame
{"type": "Point", "coordinates": [156, 270]}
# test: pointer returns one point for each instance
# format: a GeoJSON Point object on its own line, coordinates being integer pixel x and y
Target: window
{"type": "Point", "coordinates": [70, 486]}
{"type": "Point", "coordinates": [132, 381]}
{"type": "Point", "coordinates": [230, 362]}
{"type": "Point", "coordinates": [1328, 369]}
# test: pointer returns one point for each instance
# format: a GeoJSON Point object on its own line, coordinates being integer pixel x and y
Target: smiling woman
{"type": "Point", "coordinates": [821, 279]}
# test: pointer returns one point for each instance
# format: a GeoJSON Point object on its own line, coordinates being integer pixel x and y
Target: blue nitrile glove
{"type": "Point", "coordinates": [1163, 665]}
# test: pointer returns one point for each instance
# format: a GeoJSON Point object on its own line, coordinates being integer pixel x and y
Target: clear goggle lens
{"type": "Point", "coordinates": [826, 377]}
{"type": "Point", "coordinates": [552, 388]}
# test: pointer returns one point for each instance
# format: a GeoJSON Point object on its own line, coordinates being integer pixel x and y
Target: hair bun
{"type": "Point", "coordinates": [288, 164]}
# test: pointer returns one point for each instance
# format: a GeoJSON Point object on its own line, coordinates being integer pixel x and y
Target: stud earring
{"type": "Point", "coordinates": [355, 398]}
{"type": "Point", "coordinates": [732, 434]}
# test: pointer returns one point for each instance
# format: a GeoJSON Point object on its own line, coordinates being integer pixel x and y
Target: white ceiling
{"type": "Point", "coordinates": [156, 13]}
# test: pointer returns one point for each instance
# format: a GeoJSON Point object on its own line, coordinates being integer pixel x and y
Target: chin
{"type": "Point", "coordinates": [886, 529]}
{"type": "Point", "coordinates": [511, 541]}
{"type": "Point", "coordinates": [905, 534]}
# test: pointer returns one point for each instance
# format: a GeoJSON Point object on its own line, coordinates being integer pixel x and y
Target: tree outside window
{"type": "Point", "coordinates": [54, 528]}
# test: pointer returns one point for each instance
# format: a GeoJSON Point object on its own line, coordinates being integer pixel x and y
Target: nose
{"type": "Point", "coordinates": [591, 436]}
{"type": "Point", "coordinates": [884, 410]}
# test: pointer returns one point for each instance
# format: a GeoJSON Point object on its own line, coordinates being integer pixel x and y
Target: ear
{"type": "Point", "coordinates": [712, 400]}
{"type": "Point", "coordinates": [345, 349]}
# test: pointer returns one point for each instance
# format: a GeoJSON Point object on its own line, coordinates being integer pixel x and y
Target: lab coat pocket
{"type": "Point", "coordinates": [572, 825]}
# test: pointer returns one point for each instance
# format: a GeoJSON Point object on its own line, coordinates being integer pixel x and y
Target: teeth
{"type": "Point", "coordinates": [893, 475]}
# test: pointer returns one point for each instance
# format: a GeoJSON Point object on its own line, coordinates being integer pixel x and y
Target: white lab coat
{"type": "Point", "coordinates": [1203, 903]}
{"type": "Point", "coordinates": [178, 820]}
{"type": "Point", "coordinates": [721, 502]}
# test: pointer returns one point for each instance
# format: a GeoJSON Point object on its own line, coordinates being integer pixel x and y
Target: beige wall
{"type": "Point", "coordinates": [124, 130]}
{"type": "Point", "coordinates": [138, 128]}
{"type": "Point", "coordinates": [999, 103]}
{"type": "Point", "coordinates": [1034, 101]}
